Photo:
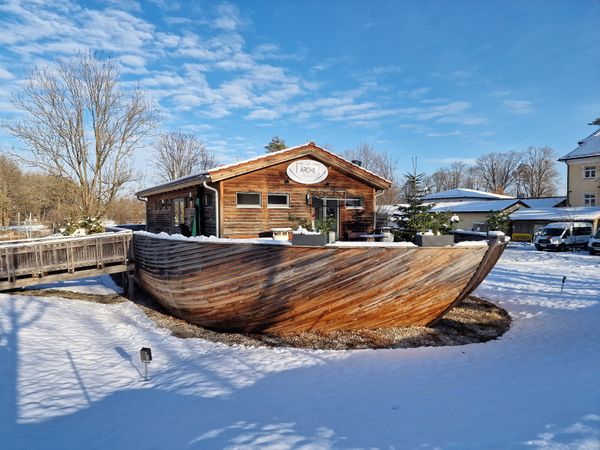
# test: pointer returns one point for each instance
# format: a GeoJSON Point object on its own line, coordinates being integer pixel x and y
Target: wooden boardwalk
{"type": "Point", "coordinates": [38, 261]}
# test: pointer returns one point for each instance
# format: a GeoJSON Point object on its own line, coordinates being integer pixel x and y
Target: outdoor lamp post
{"type": "Point", "coordinates": [146, 357]}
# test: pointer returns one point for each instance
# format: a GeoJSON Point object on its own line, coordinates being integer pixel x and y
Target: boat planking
{"type": "Point", "coordinates": [269, 288]}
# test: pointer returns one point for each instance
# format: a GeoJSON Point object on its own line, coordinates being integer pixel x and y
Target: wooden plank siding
{"type": "Point", "coordinates": [267, 174]}
{"type": "Point", "coordinates": [241, 222]}
{"type": "Point", "coordinates": [282, 288]}
{"type": "Point", "coordinates": [160, 214]}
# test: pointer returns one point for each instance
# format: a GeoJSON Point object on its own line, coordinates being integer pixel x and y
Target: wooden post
{"type": "Point", "coordinates": [130, 285]}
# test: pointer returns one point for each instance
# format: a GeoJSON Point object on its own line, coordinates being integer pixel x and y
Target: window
{"type": "Point", "coordinates": [589, 199]}
{"type": "Point", "coordinates": [208, 201]}
{"type": "Point", "coordinates": [582, 231]}
{"type": "Point", "coordinates": [248, 200]}
{"type": "Point", "coordinates": [589, 172]}
{"type": "Point", "coordinates": [278, 201]}
{"type": "Point", "coordinates": [179, 210]}
{"type": "Point", "coordinates": [354, 203]}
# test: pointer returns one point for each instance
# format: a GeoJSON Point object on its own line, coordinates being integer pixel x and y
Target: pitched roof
{"type": "Point", "coordinates": [476, 206]}
{"type": "Point", "coordinates": [543, 202]}
{"type": "Point", "coordinates": [270, 159]}
{"type": "Point", "coordinates": [557, 214]}
{"type": "Point", "coordinates": [590, 146]}
{"type": "Point", "coordinates": [287, 154]}
{"type": "Point", "coordinates": [465, 193]}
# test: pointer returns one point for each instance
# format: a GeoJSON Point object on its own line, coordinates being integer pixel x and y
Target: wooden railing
{"type": "Point", "coordinates": [35, 261]}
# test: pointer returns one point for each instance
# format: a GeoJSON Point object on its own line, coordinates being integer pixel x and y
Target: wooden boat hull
{"type": "Point", "coordinates": [281, 288]}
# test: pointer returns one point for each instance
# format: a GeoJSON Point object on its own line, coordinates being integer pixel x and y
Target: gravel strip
{"type": "Point", "coordinates": [473, 320]}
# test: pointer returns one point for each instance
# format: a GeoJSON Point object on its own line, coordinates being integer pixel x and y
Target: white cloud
{"type": "Point", "coordinates": [132, 60]}
{"type": "Point", "coordinates": [443, 134]}
{"type": "Point", "coordinates": [228, 17]}
{"type": "Point", "coordinates": [5, 74]}
{"type": "Point", "coordinates": [263, 114]}
{"type": "Point", "coordinates": [519, 106]}
{"type": "Point", "coordinates": [166, 5]}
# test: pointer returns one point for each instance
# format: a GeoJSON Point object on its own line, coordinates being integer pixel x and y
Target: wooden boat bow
{"type": "Point", "coordinates": [255, 287]}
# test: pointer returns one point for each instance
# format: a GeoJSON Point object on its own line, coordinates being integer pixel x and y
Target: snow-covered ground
{"type": "Point", "coordinates": [71, 378]}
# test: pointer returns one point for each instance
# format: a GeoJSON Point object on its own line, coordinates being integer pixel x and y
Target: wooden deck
{"type": "Point", "coordinates": [38, 261]}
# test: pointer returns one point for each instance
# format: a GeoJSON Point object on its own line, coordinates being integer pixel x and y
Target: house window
{"type": "Point", "coordinates": [278, 201]}
{"type": "Point", "coordinates": [589, 199]}
{"type": "Point", "coordinates": [179, 210]}
{"type": "Point", "coordinates": [355, 203]}
{"type": "Point", "coordinates": [208, 201]}
{"type": "Point", "coordinates": [248, 200]}
{"type": "Point", "coordinates": [589, 172]}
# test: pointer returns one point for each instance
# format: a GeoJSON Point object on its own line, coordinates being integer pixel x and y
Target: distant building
{"type": "Point", "coordinates": [583, 172]}
{"type": "Point", "coordinates": [529, 221]}
{"type": "Point", "coordinates": [463, 195]}
{"type": "Point", "coordinates": [544, 202]}
{"type": "Point", "coordinates": [473, 214]}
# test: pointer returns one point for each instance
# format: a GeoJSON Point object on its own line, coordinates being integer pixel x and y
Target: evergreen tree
{"type": "Point", "coordinates": [416, 216]}
{"type": "Point", "coordinates": [276, 144]}
{"type": "Point", "coordinates": [497, 221]}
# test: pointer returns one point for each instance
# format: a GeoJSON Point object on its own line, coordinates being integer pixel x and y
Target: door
{"type": "Point", "coordinates": [328, 208]}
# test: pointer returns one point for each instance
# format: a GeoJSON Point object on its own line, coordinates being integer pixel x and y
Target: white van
{"type": "Point", "coordinates": [593, 245]}
{"type": "Point", "coordinates": [561, 235]}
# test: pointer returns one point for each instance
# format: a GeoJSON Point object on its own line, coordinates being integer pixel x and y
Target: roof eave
{"type": "Point", "coordinates": [174, 185]}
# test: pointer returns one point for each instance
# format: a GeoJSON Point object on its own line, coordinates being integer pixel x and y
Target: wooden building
{"type": "Point", "coordinates": [275, 190]}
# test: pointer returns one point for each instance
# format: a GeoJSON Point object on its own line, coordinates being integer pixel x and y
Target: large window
{"type": "Point", "coordinates": [355, 203]}
{"type": "Point", "coordinates": [179, 210]}
{"type": "Point", "coordinates": [248, 200]}
{"type": "Point", "coordinates": [278, 200]}
{"type": "Point", "coordinates": [589, 172]}
{"type": "Point", "coordinates": [589, 199]}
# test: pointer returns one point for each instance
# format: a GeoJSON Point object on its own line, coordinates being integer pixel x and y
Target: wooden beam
{"type": "Point", "coordinates": [25, 282]}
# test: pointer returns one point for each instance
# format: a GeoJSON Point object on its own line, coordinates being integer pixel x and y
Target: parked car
{"type": "Point", "coordinates": [562, 235]}
{"type": "Point", "coordinates": [593, 245]}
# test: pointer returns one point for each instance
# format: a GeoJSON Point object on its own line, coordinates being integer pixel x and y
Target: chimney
{"type": "Point", "coordinates": [357, 162]}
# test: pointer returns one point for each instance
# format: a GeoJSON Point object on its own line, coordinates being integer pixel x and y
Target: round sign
{"type": "Point", "coordinates": [307, 171]}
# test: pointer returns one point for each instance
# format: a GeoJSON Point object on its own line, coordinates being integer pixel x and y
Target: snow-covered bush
{"type": "Point", "coordinates": [89, 225]}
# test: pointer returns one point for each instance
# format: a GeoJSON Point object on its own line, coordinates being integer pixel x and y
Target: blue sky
{"type": "Point", "coordinates": [439, 80]}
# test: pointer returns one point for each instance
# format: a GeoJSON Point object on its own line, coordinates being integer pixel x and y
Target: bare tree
{"type": "Point", "coordinates": [498, 171]}
{"type": "Point", "coordinates": [380, 163]}
{"type": "Point", "coordinates": [537, 173]}
{"type": "Point", "coordinates": [179, 154]}
{"type": "Point", "coordinates": [81, 126]}
{"type": "Point", "coordinates": [438, 181]}
{"type": "Point", "coordinates": [10, 189]}
{"type": "Point", "coordinates": [472, 180]}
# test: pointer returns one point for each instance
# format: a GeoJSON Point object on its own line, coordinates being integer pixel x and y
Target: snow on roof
{"type": "Point", "coordinates": [590, 146]}
{"type": "Point", "coordinates": [557, 214]}
{"type": "Point", "coordinates": [476, 206]}
{"type": "Point", "coordinates": [457, 207]}
{"type": "Point", "coordinates": [464, 193]}
{"type": "Point", "coordinates": [543, 202]}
